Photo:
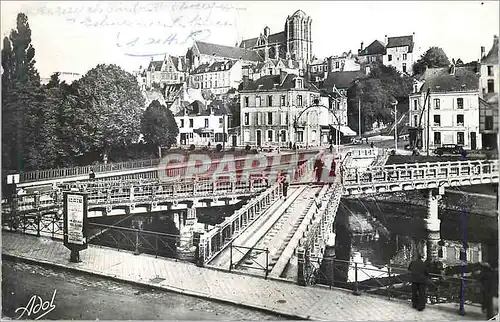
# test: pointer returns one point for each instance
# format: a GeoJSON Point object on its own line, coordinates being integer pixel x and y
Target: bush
{"type": "Point", "coordinates": [218, 147]}
{"type": "Point", "coordinates": [192, 147]}
{"type": "Point", "coordinates": [248, 147]}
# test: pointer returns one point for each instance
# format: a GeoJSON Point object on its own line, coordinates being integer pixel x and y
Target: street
{"type": "Point", "coordinates": [85, 297]}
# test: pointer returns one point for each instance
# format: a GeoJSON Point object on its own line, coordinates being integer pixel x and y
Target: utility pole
{"type": "Point", "coordinates": [359, 117]}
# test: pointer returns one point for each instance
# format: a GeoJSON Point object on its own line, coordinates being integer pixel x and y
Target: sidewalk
{"type": "Point", "coordinates": [287, 299]}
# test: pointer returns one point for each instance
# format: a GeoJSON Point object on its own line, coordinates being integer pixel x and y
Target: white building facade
{"type": "Point", "coordinates": [399, 53]}
{"type": "Point", "coordinates": [451, 114]}
{"type": "Point", "coordinates": [269, 108]}
{"type": "Point", "coordinates": [218, 77]}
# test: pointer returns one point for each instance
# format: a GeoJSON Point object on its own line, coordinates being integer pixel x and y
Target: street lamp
{"type": "Point", "coordinates": [395, 103]}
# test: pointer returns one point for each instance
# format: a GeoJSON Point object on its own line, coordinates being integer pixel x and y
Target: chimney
{"type": "Point", "coordinates": [246, 80]}
{"type": "Point", "coordinates": [267, 31]}
{"type": "Point", "coordinates": [452, 69]}
{"type": "Point", "coordinates": [361, 49]}
{"type": "Point", "coordinates": [385, 40]}
{"type": "Point", "coordinates": [330, 62]}
{"type": "Point", "coordinates": [483, 52]}
{"type": "Point", "coordinates": [151, 58]}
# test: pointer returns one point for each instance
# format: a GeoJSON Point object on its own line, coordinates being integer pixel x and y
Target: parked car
{"type": "Point", "coordinates": [356, 141]}
{"type": "Point", "coordinates": [449, 149]}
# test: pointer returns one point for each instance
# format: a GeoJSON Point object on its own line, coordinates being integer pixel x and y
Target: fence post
{"type": "Point", "coordinates": [301, 266]}
{"type": "Point", "coordinates": [38, 219]}
{"type": "Point", "coordinates": [230, 255]}
{"type": "Point", "coordinates": [389, 289]}
{"type": "Point", "coordinates": [136, 252]}
{"type": "Point", "coordinates": [267, 262]}
{"type": "Point", "coordinates": [356, 286]}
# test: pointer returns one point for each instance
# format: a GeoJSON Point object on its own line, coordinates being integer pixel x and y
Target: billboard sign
{"type": "Point", "coordinates": [75, 220]}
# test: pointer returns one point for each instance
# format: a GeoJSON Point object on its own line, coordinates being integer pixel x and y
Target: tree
{"type": "Point", "coordinates": [107, 112]}
{"type": "Point", "coordinates": [375, 94]}
{"type": "Point", "coordinates": [434, 57]}
{"type": "Point", "coordinates": [158, 125]}
{"type": "Point", "coordinates": [20, 85]}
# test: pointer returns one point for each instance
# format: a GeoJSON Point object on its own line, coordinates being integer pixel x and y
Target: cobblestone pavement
{"type": "Point", "coordinates": [101, 298]}
{"type": "Point", "coordinates": [280, 297]}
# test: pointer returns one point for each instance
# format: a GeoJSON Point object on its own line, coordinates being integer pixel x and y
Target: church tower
{"type": "Point", "coordinates": [298, 37]}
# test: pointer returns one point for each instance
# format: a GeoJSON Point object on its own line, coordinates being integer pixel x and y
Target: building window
{"type": "Point", "coordinates": [437, 138]}
{"type": "Point", "coordinates": [298, 83]}
{"type": "Point", "coordinates": [415, 120]}
{"type": "Point", "coordinates": [246, 101]}
{"type": "Point", "coordinates": [269, 135]}
{"type": "Point", "coordinates": [259, 118]}
{"type": "Point", "coordinates": [257, 101]}
{"type": "Point", "coordinates": [300, 136]}
{"type": "Point", "coordinates": [437, 103]}
{"type": "Point", "coordinates": [405, 56]}
{"type": "Point", "coordinates": [491, 86]}
{"type": "Point", "coordinates": [283, 100]}
{"type": "Point", "coordinates": [460, 138]}
{"type": "Point", "coordinates": [221, 121]}
{"type": "Point", "coordinates": [191, 122]}
{"type": "Point", "coordinates": [437, 120]}
{"type": "Point", "coordinates": [206, 122]}
{"type": "Point", "coordinates": [247, 119]}
{"type": "Point", "coordinates": [215, 83]}
{"type": "Point", "coordinates": [490, 70]}
{"type": "Point", "coordinates": [389, 57]}
{"type": "Point", "coordinates": [283, 118]}
{"type": "Point", "coordinates": [404, 67]}
{"type": "Point", "coordinates": [299, 100]}
{"type": "Point", "coordinates": [415, 105]}
{"type": "Point", "coordinates": [283, 135]}
{"type": "Point", "coordinates": [460, 103]}
{"type": "Point", "coordinates": [460, 120]}
{"type": "Point", "coordinates": [337, 64]}
{"type": "Point", "coordinates": [270, 100]}
{"type": "Point", "coordinates": [269, 118]}
{"type": "Point", "coordinates": [314, 69]}
{"type": "Point", "coordinates": [488, 122]}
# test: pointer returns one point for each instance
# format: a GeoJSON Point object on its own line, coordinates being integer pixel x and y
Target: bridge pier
{"type": "Point", "coordinates": [433, 224]}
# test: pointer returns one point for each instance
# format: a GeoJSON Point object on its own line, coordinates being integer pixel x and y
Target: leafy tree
{"type": "Point", "coordinates": [158, 125]}
{"type": "Point", "coordinates": [375, 94]}
{"type": "Point", "coordinates": [107, 112]}
{"type": "Point", "coordinates": [434, 57]}
{"type": "Point", "coordinates": [20, 85]}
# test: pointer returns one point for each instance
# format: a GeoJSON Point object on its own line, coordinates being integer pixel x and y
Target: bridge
{"type": "Point", "coordinates": [270, 236]}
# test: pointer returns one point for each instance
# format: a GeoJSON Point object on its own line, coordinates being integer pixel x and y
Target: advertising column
{"type": "Point", "coordinates": [75, 222]}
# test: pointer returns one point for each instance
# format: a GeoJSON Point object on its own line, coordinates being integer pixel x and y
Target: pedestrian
{"type": "Point", "coordinates": [487, 279]}
{"type": "Point", "coordinates": [290, 145]}
{"type": "Point", "coordinates": [331, 148]}
{"type": "Point", "coordinates": [284, 185]}
{"type": "Point", "coordinates": [371, 145]}
{"type": "Point", "coordinates": [332, 168]}
{"type": "Point", "coordinates": [419, 274]}
{"type": "Point", "coordinates": [91, 175]}
{"type": "Point", "coordinates": [318, 168]}
{"type": "Point", "coordinates": [317, 200]}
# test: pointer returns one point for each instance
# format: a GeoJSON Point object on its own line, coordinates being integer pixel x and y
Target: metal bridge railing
{"type": "Point", "coordinates": [392, 281]}
{"type": "Point", "coordinates": [421, 171]}
{"type": "Point", "coordinates": [243, 251]}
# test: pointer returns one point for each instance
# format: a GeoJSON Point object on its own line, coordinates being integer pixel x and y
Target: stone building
{"type": "Point", "coordinates": [295, 42]}
{"type": "Point", "coordinates": [489, 89]}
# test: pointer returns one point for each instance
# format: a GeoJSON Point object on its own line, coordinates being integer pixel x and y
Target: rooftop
{"type": "Point", "coordinates": [375, 48]}
{"type": "Point", "coordinates": [401, 42]}
{"type": "Point", "coordinates": [197, 108]}
{"type": "Point", "coordinates": [443, 80]}
{"type": "Point", "coordinates": [492, 56]}
{"type": "Point", "coordinates": [214, 67]}
{"type": "Point", "coordinates": [276, 82]}
{"type": "Point", "coordinates": [235, 53]}
{"type": "Point", "coordinates": [342, 79]}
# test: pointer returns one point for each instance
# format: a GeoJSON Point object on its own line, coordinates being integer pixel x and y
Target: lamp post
{"type": "Point", "coordinates": [395, 103]}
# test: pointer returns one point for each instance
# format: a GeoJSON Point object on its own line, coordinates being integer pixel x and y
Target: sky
{"type": "Point", "coordinates": [73, 36]}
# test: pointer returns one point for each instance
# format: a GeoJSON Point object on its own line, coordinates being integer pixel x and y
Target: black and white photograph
{"type": "Point", "coordinates": [250, 160]}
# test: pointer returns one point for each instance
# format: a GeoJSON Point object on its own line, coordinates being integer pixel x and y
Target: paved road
{"type": "Point", "coordinates": [85, 297]}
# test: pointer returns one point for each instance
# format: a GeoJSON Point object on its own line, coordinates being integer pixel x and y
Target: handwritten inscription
{"type": "Point", "coordinates": [142, 26]}
{"type": "Point", "coordinates": [35, 306]}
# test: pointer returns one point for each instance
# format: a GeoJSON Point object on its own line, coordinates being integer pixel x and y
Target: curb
{"type": "Point", "coordinates": [158, 287]}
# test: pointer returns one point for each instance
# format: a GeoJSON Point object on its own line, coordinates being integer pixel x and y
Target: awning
{"type": "Point", "coordinates": [347, 131]}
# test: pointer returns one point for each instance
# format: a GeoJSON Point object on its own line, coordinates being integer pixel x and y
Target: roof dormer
{"type": "Point", "coordinates": [299, 83]}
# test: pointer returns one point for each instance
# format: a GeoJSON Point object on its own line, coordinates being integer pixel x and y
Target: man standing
{"type": "Point", "coordinates": [318, 168]}
{"type": "Point", "coordinates": [487, 279]}
{"type": "Point", "coordinates": [284, 185]}
{"type": "Point", "coordinates": [419, 274]}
